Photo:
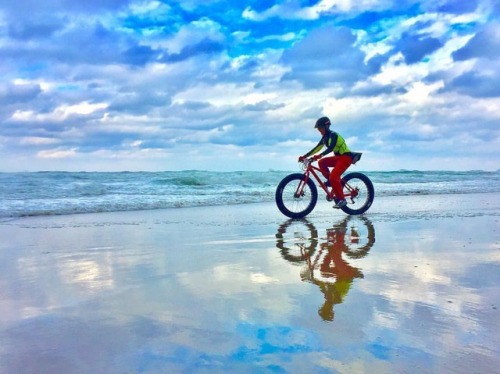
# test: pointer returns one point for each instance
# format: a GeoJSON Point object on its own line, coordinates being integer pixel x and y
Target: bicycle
{"type": "Point", "coordinates": [297, 239]}
{"type": "Point", "coordinates": [297, 194]}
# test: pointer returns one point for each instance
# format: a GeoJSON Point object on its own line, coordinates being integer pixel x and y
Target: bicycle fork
{"type": "Point", "coordinates": [330, 196]}
{"type": "Point", "coordinates": [299, 192]}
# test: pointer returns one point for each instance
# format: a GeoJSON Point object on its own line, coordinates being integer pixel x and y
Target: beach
{"type": "Point", "coordinates": [411, 286]}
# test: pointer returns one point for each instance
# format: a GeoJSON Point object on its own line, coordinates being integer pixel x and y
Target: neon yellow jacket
{"type": "Point", "coordinates": [333, 142]}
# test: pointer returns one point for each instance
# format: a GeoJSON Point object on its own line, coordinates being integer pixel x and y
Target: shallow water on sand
{"type": "Point", "coordinates": [242, 289]}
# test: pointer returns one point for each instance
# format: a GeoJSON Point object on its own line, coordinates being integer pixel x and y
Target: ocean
{"type": "Point", "coordinates": [59, 193]}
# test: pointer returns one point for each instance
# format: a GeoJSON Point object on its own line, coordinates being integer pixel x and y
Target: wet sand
{"type": "Point", "coordinates": [412, 286]}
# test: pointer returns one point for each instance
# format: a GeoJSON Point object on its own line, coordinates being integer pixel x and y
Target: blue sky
{"type": "Point", "coordinates": [111, 85]}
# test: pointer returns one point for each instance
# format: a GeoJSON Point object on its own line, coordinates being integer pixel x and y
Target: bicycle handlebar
{"type": "Point", "coordinates": [306, 162]}
{"type": "Point", "coordinates": [309, 160]}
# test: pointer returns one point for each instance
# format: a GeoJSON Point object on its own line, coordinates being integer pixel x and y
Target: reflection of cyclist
{"type": "Point", "coordinates": [334, 266]}
{"type": "Point", "coordinates": [326, 267]}
{"type": "Point", "coordinates": [339, 162]}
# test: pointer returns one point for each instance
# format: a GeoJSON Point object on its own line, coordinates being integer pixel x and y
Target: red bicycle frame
{"type": "Point", "coordinates": [311, 169]}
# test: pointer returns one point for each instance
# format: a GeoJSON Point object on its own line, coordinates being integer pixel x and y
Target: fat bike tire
{"type": "Point", "coordinates": [289, 203]}
{"type": "Point", "coordinates": [366, 193]}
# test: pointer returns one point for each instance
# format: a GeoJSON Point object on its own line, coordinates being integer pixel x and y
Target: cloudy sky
{"type": "Point", "coordinates": [237, 85]}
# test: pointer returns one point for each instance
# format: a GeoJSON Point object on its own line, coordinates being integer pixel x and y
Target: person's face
{"type": "Point", "coordinates": [322, 130]}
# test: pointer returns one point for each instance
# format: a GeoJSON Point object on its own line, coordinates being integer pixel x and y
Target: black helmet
{"type": "Point", "coordinates": [323, 122]}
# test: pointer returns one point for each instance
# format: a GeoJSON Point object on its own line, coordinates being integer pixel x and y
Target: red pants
{"type": "Point", "coordinates": [339, 165]}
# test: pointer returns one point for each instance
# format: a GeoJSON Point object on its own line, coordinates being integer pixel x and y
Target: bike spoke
{"type": "Point", "coordinates": [358, 192]}
{"type": "Point", "coordinates": [295, 196]}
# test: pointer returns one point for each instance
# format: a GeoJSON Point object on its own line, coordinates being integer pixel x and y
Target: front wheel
{"type": "Point", "coordinates": [295, 196]}
{"type": "Point", "coordinates": [359, 193]}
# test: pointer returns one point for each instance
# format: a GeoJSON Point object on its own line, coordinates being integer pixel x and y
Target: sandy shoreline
{"type": "Point", "coordinates": [412, 286]}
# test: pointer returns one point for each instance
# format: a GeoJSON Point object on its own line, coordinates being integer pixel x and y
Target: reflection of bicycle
{"type": "Point", "coordinates": [324, 263]}
{"type": "Point", "coordinates": [298, 239]}
{"type": "Point", "coordinates": [297, 194]}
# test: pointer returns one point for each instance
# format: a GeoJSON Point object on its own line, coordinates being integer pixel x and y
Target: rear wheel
{"type": "Point", "coordinates": [359, 236]}
{"type": "Point", "coordinates": [359, 193]}
{"type": "Point", "coordinates": [296, 198]}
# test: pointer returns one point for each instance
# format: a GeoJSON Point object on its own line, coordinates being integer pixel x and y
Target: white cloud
{"type": "Point", "coordinates": [292, 10]}
{"type": "Point", "coordinates": [145, 7]}
{"type": "Point", "coordinates": [192, 33]}
{"type": "Point", "coordinates": [33, 140]}
{"type": "Point", "coordinates": [57, 153]}
{"type": "Point", "coordinates": [61, 113]}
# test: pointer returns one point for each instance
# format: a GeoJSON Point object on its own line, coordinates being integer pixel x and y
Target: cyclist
{"type": "Point", "coordinates": [340, 162]}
